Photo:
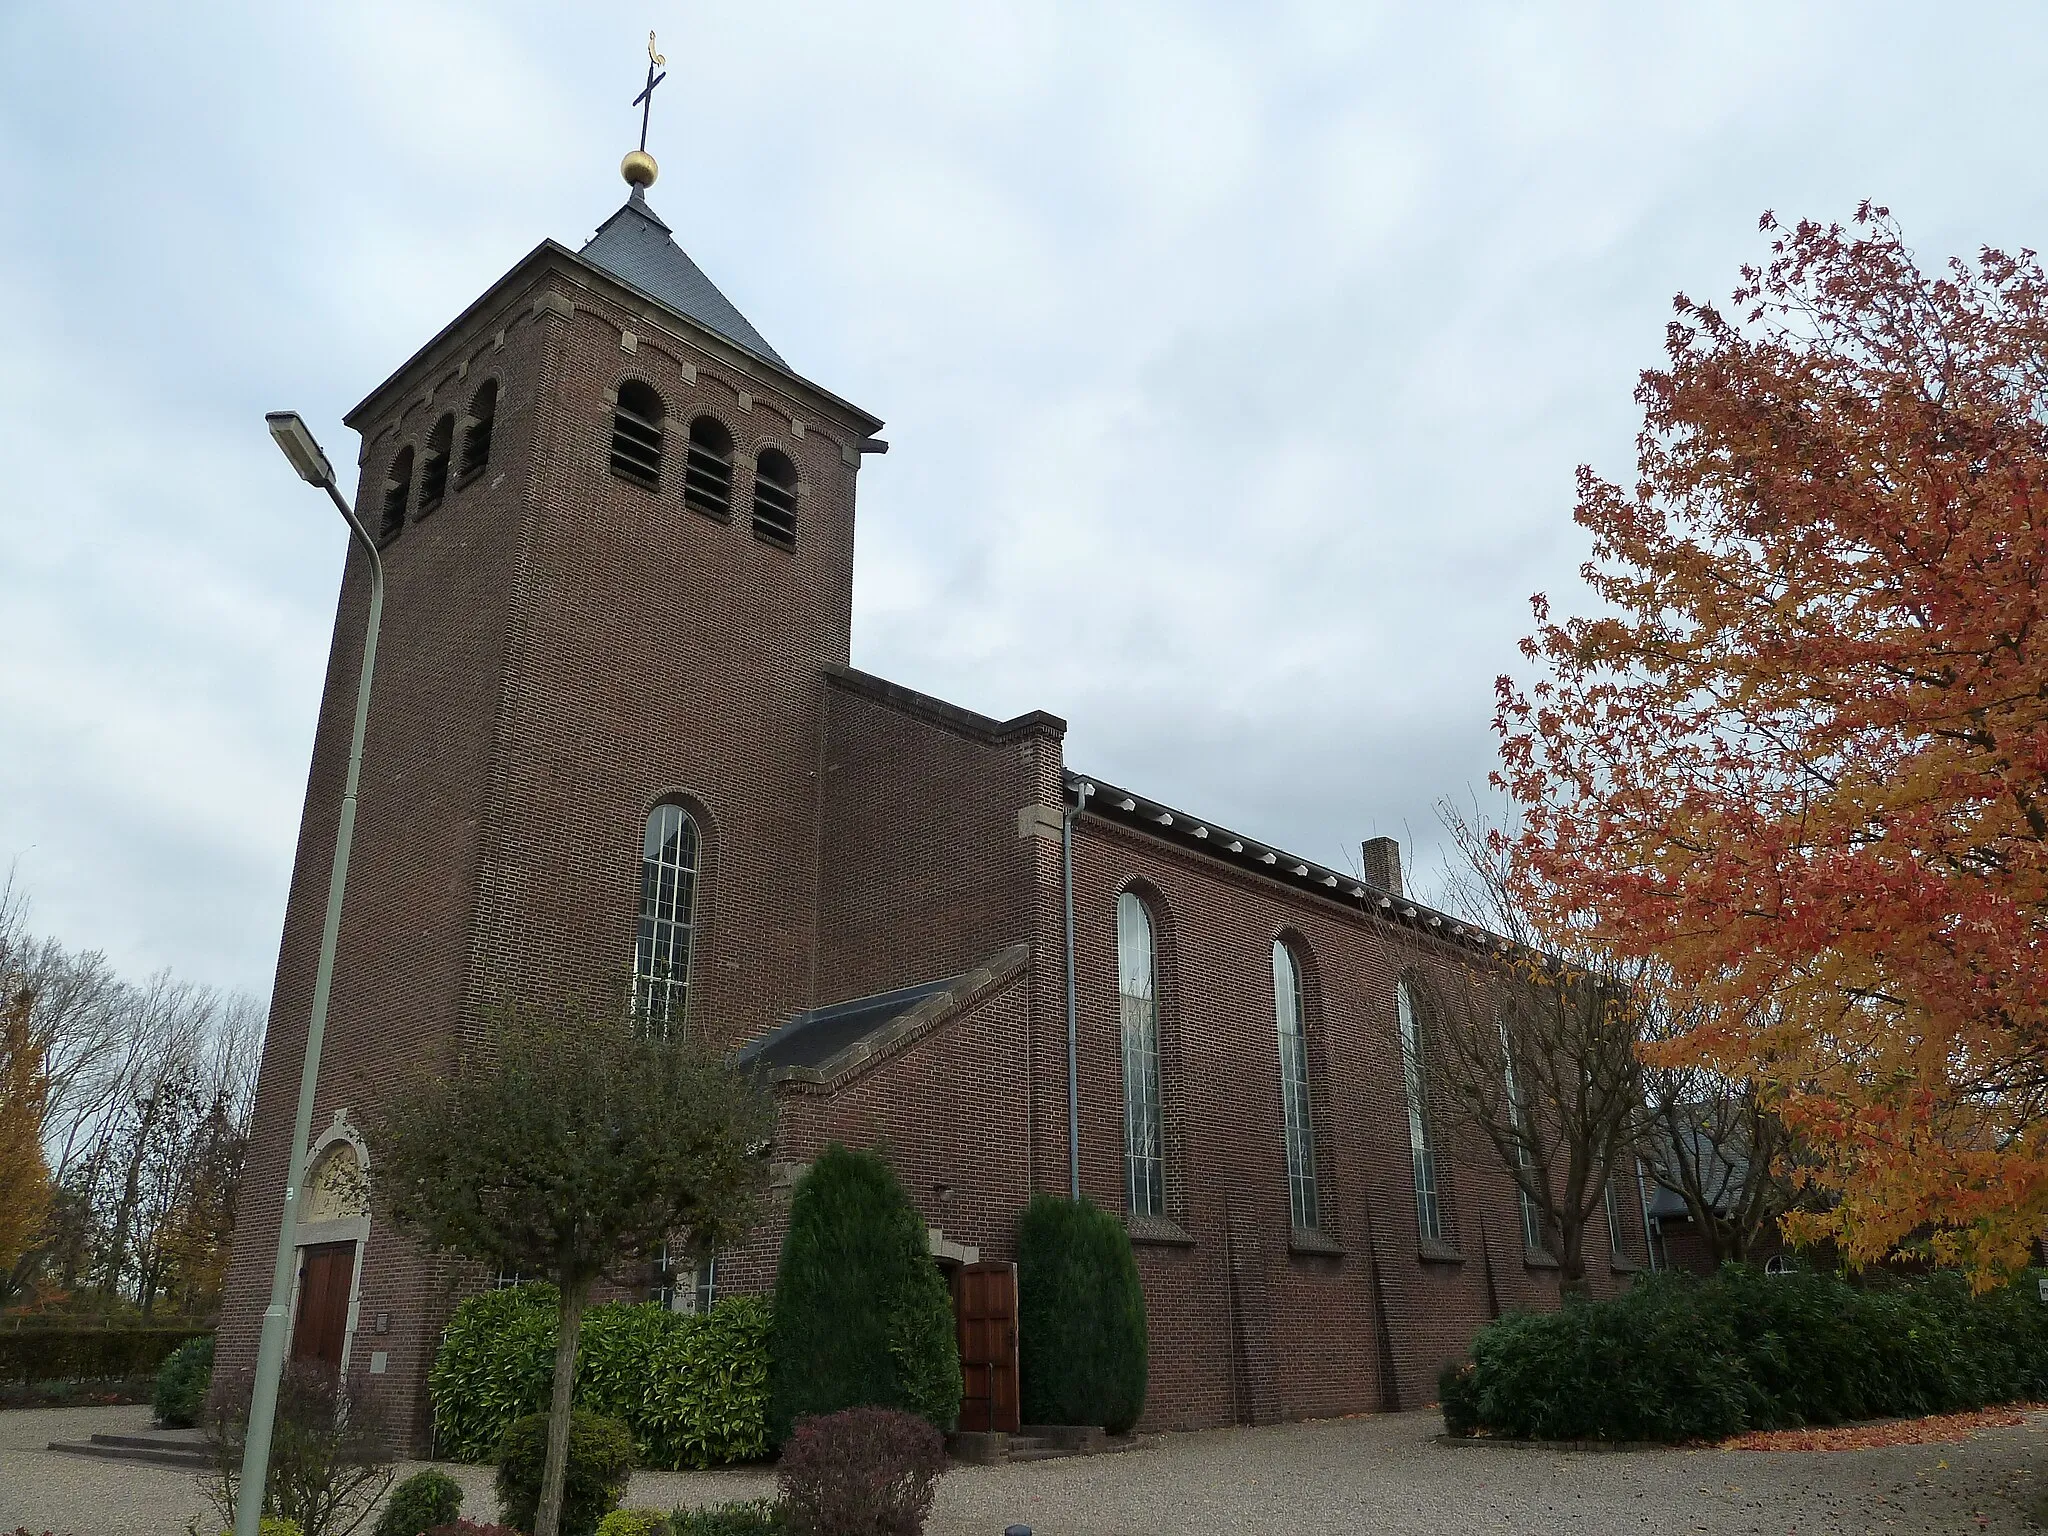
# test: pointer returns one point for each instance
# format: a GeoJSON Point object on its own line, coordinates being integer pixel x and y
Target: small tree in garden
{"type": "Point", "coordinates": [570, 1147]}
{"type": "Point", "coordinates": [861, 1312]}
{"type": "Point", "coordinates": [1081, 1336]}
{"type": "Point", "coordinates": [1534, 1049]}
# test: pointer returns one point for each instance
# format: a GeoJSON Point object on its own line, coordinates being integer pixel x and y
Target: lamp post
{"type": "Point", "coordinates": [298, 445]}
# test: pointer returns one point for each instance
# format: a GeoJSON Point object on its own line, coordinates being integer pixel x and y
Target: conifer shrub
{"type": "Point", "coordinates": [862, 1315]}
{"type": "Point", "coordinates": [1677, 1358]}
{"type": "Point", "coordinates": [1080, 1317]}
{"type": "Point", "coordinates": [600, 1462]}
{"type": "Point", "coordinates": [861, 1472]}
{"type": "Point", "coordinates": [422, 1502]}
{"type": "Point", "coordinates": [181, 1384]}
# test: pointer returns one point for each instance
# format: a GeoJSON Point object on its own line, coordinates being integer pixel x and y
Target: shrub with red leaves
{"type": "Point", "coordinates": [861, 1472]}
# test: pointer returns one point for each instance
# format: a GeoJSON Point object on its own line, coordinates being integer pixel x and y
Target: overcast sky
{"type": "Point", "coordinates": [1236, 358]}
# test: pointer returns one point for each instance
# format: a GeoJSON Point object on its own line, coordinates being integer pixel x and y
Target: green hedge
{"type": "Point", "coordinates": [1080, 1317]}
{"type": "Point", "coordinates": [693, 1390]}
{"type": "Point", "coordinates": [47, 1353]}
{"type": "Point", "coordinates": [1677, 1358]}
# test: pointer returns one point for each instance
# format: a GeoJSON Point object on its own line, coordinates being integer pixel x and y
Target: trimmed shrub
{"type": "Point", "coordinates": [861, 1472]}
{"type": "Point", "coordinates": [420, 1503]}
{"type": "Point", "coordinates": [1081, 1339]}
{"type": "Point", "coordinates": [1676, 1358]}
{"type": "Point", "coordinates": [600, 1462]}
{"type": "Point", "coordinates": [704, 1401]}
{"type": "Point", "coordinates": [862, 1317]}
{"type": "Point", "coordinates": [39, 1353]}
{"type": "Point", "coordinates": [755, 1517]}
{"type": "Point", "coordinates": [693, 1390]}
{"type": "Point", "coordinates": [471, 1528]}
{"type": "Point", "coordinates": [635, 1522]}
{"type": "Point", "coordinates": [180, 1395]}
{"type": "Point", "coordinates": [496, 1365]}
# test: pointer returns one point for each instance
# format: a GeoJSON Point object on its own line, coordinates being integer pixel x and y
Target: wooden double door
{"type": "Point", "coordinates": [985, 1314]}
{"type": "Point", "coordinates": [326, 1273]}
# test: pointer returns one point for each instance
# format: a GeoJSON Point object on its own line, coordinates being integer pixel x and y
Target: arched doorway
{"type": "Point", "coordinates": [334, 1221]}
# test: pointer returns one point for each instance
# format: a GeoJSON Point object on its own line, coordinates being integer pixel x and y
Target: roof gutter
{"type": "Point", "coordinates": [1082, 790]}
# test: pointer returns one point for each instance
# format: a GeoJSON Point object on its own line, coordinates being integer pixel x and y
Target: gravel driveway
{"type": "Point", "coordinates": [1366, 1475]}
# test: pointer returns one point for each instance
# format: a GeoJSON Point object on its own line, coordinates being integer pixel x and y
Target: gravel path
{"type": "Point", "coordinates": [1380, 1474]}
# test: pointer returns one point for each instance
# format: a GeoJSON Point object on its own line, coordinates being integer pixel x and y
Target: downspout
{"type": "Point", "coordinates": [1649, 1237]}
{"type": "Point", "coordinates": [1067, 814]}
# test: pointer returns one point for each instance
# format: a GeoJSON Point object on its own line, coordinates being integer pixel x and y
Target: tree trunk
{"type": "Point", "coordinates": [1571, 1259]}
{"type": "Point", "coordinates": [548, 1521]}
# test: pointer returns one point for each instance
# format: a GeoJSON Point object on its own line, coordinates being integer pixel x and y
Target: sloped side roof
{"type": "Point", "coordinates": [634, 246]}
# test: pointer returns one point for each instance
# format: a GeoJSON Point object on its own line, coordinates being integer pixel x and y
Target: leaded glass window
{"type": "Point", "coordinates": [1429, 1221]}
{"type": "Point", "coordinates": [1138, 1008]}
{"type": "Point", "coordinates": [1294, 1105]}
{"type": "Point", "coordinates": [1532, 1217]}
{"type": "Point", "coordinates": [668, 895]}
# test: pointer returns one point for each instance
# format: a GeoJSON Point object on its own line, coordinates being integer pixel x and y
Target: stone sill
{"type": "Point", "coordinates": [1158, 1230]}
{"type": "Point", "coordinates": [1439, 1253]}
{"type": "Point", "coordinates": [1308, 1240]}
{"type": "Point", "coordinates": [1622, 1266]}
{"type": "Point", "coordinates": [1535, 1258]}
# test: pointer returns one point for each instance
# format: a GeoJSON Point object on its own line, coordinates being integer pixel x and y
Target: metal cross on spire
{"type": "Point", "coordinates": [645, 100]}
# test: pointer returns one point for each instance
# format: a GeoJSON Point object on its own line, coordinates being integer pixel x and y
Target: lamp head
{"type": "Point", "coordinates": [296, 440]}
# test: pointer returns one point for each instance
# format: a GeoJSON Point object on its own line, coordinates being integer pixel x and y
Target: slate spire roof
{"type": "Point", "coordinates": [635, 246]}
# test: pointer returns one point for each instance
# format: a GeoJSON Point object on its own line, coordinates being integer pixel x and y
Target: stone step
{"type": "Point", "coordinates": [158, 1440]}
{"type": "Point", "coordinates": [193, 1458]}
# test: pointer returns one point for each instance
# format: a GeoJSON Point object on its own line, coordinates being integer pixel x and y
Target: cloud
{"type": "Point", "coordinates": [1237, 359]}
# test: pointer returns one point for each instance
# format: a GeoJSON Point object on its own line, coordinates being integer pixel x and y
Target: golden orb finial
{"type": "Point", "coordinates": [639, 168]}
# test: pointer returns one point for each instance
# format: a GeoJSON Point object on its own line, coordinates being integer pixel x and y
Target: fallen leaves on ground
{"type": "Point", "coordinates": [1932, 1430]}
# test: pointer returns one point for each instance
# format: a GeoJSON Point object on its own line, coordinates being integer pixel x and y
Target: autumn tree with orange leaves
{"type": "Point", "coordinates": [1799, 755]}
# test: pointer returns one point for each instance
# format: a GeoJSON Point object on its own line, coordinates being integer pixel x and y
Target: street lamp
{"type": "Point", "coordinates": [297, 442]}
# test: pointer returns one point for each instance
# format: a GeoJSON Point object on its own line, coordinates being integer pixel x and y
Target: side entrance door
{"type": "Point", "coordinates": [985, 1309]}
{"type": "Point", "coordinates": [325, 1273]}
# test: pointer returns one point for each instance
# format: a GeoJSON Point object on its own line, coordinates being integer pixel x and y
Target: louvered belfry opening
{"type": "Point", "coordinates": [434, 473]}
{"type": "Point", "coordinates": [397, 492]}
{"type": "Point", "coordinates": [707, 476]}
{"type": "Point", "coordinates": [636, 434]}
{"type": "Point", "coordinates": [775, 497]}
{"type": "Point", "coordinates": [476, 442]}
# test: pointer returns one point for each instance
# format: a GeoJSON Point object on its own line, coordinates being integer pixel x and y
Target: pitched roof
{"type": "Point", "coordinates": [634, 246]}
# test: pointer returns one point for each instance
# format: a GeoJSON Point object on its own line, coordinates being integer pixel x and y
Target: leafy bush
{"type": "Point", "coordinates": [471, 1528]}
{"type": "Point", "coordinates": [693, 1390]}
{"type": "Point", "coordinates": [635, 1522]}
{"type": "Point", "coordinates": [422, 1502]}
{"type": "Point", "coordinates": [1080, 1317]}
{"type": "Point", "coordinates": [101, 1353]}
{"type": "Point", "coordinates": [705, 1398]}
{"type": "Point", "coordinates": [600, 1462]}
{"type": "Point", "coordinates": [180, 1395]}
{"type": "Point", "coordinates": [1676, 1358]}
{"type": "Point", "coordinates": [755, 1517]}
{"type": "Point", "coordinates": [861, 1472]}
{"type": "Point", "coordinates": [267, 1526]}
{"type": "Point", "coordinates": [862, 1316]}
{"type": "Point", "coordinates": [496, 1364]}
{"type": "Point", "coordinates": [330, 1456]}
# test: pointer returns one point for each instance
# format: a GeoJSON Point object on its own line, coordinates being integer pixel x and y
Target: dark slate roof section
{"type": "Point", "coordinates": [820, 1049]}
{"type": "Point", "coordinates": [814, 1037]}
{"type": "Point", "coordinates": [1207, 838]}
{"type": "Point", "coordinates": [634, 246]}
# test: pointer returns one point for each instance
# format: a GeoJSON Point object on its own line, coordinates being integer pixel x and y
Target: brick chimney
{"type": "Point", "coordinates": [1383, 864]}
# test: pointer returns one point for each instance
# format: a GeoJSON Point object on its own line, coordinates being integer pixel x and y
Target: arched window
{"type": "Point", "coordinates": [1429, 1220]}
{"type": "Point", "coordinates": [707, 474]}
{"type": "Point", "coordinates": [1138, 1005]}
{"type": "Point", "coordinates": [668, 896]}
{"type": "Point", "coordinates": [434, 472]}
{"type": "Point", "coordinates": [636, 434]}
{"type": "Point", "coordinates": [1294, 1105]}
{"type": "Point", "coordinates": [483, 415]}
{"type": "Point", "coordinates": [775, 497]}
{"type": "Point", "coordinates": [397, 492]}
{"type": "Point", "coordinates": [1518, 1120]}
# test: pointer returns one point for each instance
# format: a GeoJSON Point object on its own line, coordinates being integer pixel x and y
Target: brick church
{"type": "Point", "coordinates": [618, 746]}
